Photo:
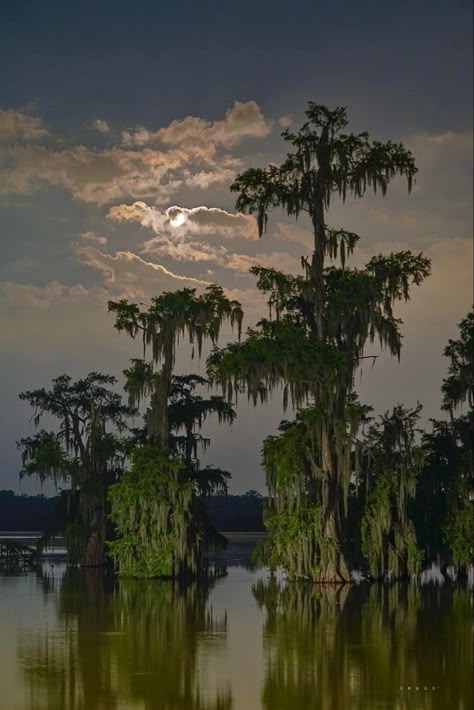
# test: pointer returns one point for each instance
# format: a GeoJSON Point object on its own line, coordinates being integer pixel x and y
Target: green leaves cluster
{"type": "Point", "coordinates": [392, 462]}
{"type": "Point", "coordinates": [152, 510]}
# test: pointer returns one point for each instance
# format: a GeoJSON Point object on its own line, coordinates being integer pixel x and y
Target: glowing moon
{"type": "Point", "coordinates": [178, 220]}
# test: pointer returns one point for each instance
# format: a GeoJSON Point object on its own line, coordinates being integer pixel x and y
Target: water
{"type": "Point", "coordinates": [79, 640]}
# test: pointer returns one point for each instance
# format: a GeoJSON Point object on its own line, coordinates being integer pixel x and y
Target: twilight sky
{"type": "Point", "coordinates": [121, 128]}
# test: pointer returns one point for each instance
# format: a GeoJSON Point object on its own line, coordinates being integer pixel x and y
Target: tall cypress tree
{"type": "Point", "coordinates": [318, 328]}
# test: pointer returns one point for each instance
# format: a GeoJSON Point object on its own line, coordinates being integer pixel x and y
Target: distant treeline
{"type": "Point", "coordinates": [230, 513]}
{"type": "Point", "coordinates": [237, 513]}
{"type": "Point", "coordinates": [23, 512]}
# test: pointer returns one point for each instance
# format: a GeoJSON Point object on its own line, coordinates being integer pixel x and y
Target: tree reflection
{"type": "Point", "coordinates": [124, 644]}
{"type": "Point", "coordinates": [356, 647]}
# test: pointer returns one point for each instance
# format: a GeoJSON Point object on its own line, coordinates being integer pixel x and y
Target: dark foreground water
{"type": "Point", "coordinates": [77, 640]}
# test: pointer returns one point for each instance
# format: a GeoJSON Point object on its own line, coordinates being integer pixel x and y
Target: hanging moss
{"type": "Point", "coordinates": [170, 317]}
{"type": "Point", "coordinates": [299, 493]}
{"type": "Point", "coordinates": [392, 463]}
{"type": "Point", "coordinates": [152, 510]}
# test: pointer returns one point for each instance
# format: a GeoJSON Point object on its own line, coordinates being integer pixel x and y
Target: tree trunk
{"type": "Point", "coordinates": [94, 518]}
{"type": "Point", "coordinates": [334, 568]}
{"type": "Point", "coordinates": [317, 268]}
{"type": "Point", "coordinates": [157, 420]}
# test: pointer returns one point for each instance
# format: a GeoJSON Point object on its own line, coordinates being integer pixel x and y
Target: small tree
{"type": "Point", "coordinates": [85, 452]}
{"type": "Point", "coordinates": [159, 517]}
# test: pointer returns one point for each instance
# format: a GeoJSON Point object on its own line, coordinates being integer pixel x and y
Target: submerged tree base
{"type": "Point", "coordinates": [13, 555]}
{"type": "Point", "coordinates": [332, 576]}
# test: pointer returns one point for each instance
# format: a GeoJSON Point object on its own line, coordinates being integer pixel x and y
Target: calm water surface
{"type": "Point", "coordinates": [77, 640]}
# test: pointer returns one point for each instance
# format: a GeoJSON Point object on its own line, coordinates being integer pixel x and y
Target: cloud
{"type": "Point", "coordinates": [191, 153]}
{"type": "Point", "coordinates": [127, 275]}
{"type": "Point", "coordinates": [102, 176]}
{"type": "Point", "coordinates": [285, 121]}
{"type": "Point", "coordinates": [136, 137]}
{"type": "Point", "coordinates": [196, 220]}
{"type": "Point", "coordinates": [93, 237]}
{"type": "Point", "coordinates": [42, 297]}
{"type": "Point", "coordinates": [194, 235]}
{"type": "Point", "coordinates": [243, 120]}
{"type": "Point", "coordinates": [101, 126]}
{"type": "Point", "coordinates": [17, 126]}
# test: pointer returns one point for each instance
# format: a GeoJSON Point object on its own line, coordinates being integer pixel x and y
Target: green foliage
{"type": "Point", "coordinates": [44, 456]}
{"type": "Point", "coordinates": [392, 461]}
{"type": "Point", "coordinates": [444, 509]}
{"type": "Point", "coordinates": [86, 452]}
{"type": "Point", "coordinates": [169, 485]}
{"type": "Point", "coordinates": [296, 512]}
{"type": "Point", "coordinates": [445, 481]}
{"type": "Point", "coordinates": [187, 412]}
{"type": "Point", "coordinates": [152, 510]}
{"type": "Point", "coordinates": [295, 541]}
{"type": "Point", "coordinates": [458, 385]}
{"type": "Point", "coordinates": [277, 353]}
{"type": "Point", "coordinates": [172, 314]}
{"type": "Point", "coordinates": [459, 535]}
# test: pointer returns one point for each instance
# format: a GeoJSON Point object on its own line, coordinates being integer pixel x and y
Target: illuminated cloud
{"type": "Point", "coordinates": [102, 176]}
{"type": "Point", "coordinates": [136, 137]}
{"type": "Point", "coordinates": [196, 220]}
{"type": "Point", "coordinates": [285, 121]}
{"type": "Point", "coordinates": [243, 120]}
{"type": "Point", "coordinates": [127, 275]}
{"type": "Point", "coordinates": [93, 237]}
{"type": "Point", "coordinates": [101, 126]}
{"type": "Point", "coordinates": [187, 154]}
{"type": "Point", "coordinates": [194, 235]}
{"type": "Point", "coordinates": [17, 126]}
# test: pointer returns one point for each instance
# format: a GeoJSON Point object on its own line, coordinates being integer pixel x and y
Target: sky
{"type": "Point", "coordinates": [121, 128]}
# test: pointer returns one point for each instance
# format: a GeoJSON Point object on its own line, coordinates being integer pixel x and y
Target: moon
{"type": "Point", "coordinates": [178, 220]}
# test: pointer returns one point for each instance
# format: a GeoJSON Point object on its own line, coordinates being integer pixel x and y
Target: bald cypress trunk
{"type": "Point", "coordinates": [157, 418]}
{"type": "Point", "coordinates": [93, 515]}
{"type": "Point", "coordinates": [334, 567]}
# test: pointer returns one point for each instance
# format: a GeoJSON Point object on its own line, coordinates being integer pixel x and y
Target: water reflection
{"type": "Point", "coordinates": [83, 641]}
{"type": "Point", "coordinates": [397, 646]}
{"type": "Point", "coordinates": [123, 644]}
